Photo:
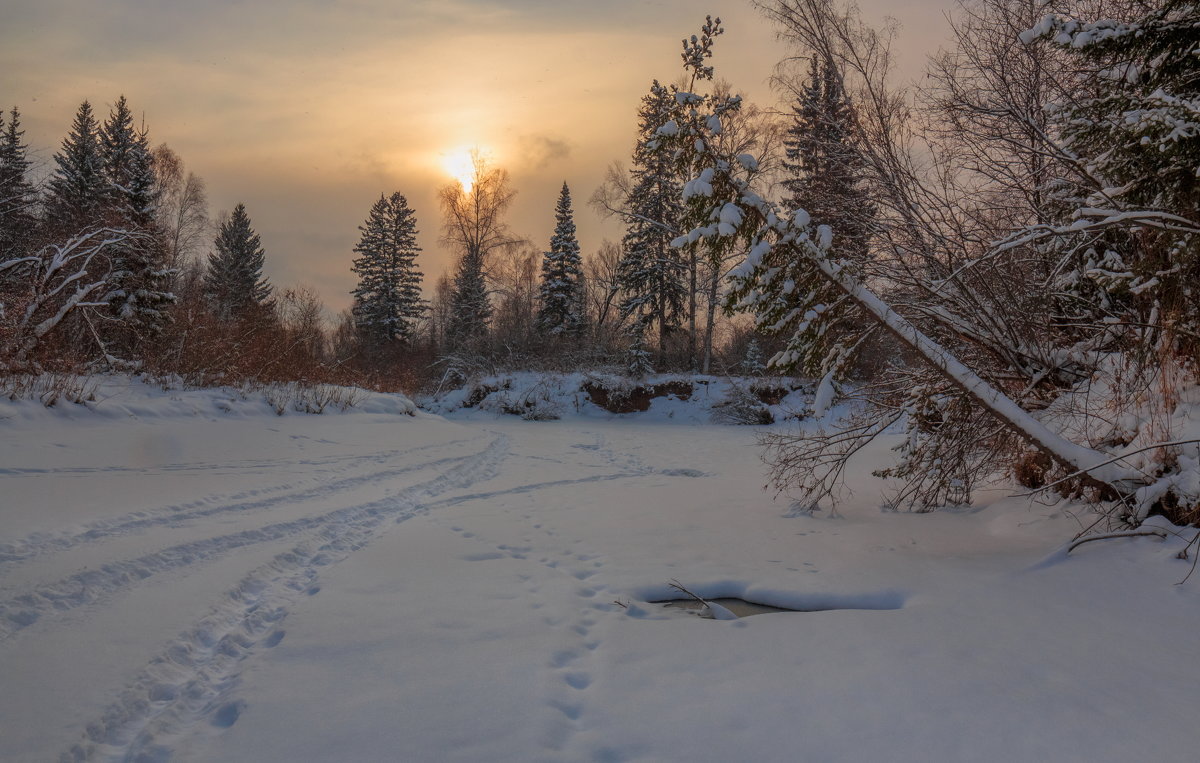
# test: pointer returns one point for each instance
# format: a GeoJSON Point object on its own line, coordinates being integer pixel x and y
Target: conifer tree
{"type": "Point", "coordinates": [825, 171]}
{"type": "Point", "coordinates": [128, 166]}
{"type": "Point", "coordinates": [387, 301]}
{"type": "Point", "coordinates": [562, 272]}
{"type": "Point", "coordinates": [639, 365]}
{"type": "Point", "coordinates": [234, 283]}
{"type": "Point", "coordinates": [470, 308]}
{"type": "Point", "coordinates": [139, 284]}
{"type": "Point", "coordinates": [826, 180]}
{"type": "Point", "coordinates": [1135, 225]}
{"type": "Point", "coordinates": [652, 273]}
{"type": "Point", "coordinates": [17, 195]}
{"type": "Point", "coordinates": [753, 361]}
{"type": "Point", "coordinates": [77, 189]}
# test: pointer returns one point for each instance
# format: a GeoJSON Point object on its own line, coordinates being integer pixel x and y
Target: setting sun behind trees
{"type": "Point", "coordinates": [459, 163]}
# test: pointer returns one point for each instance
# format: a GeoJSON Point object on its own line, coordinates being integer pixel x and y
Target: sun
{"type": "Point", "coordinates": [460, 164]}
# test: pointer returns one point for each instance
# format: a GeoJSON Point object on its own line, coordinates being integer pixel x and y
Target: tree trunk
{"type": "Point", "coordinates": [710, 319]}
{"type": "Point", "coordinates": [1069, 454]}
{"type": "Point", "coordinates": [693, 261]}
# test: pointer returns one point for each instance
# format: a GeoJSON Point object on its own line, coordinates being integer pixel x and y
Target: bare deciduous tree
{"type": "Point", "coordinates": [182, 213]}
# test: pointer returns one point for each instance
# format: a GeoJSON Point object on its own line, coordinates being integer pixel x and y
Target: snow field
{"type": "Point", "coordinates": [370, 586]}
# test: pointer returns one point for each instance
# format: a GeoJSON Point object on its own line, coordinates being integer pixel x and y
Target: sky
{"type": "Point", "coordinates": [306, 111]}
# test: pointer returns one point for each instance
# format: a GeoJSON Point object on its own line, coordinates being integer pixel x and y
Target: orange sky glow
{"type": "Point", "coordinates": [307, 111]}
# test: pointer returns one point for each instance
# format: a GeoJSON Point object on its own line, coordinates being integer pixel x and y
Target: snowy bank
{"type": "Point", "coordinates": [693, 399]}
{"type": "Point", "coordinates": [120, 397]}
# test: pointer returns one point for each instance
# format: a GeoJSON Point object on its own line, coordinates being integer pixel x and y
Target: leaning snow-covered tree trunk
{"type": "Point", "coordinates": [1095, 464]}
{"type": "Point", "coordinates": [787, 257]}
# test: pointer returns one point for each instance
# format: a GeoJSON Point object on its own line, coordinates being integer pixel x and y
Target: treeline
{"type": "Point", "coordinates": [115, 265]}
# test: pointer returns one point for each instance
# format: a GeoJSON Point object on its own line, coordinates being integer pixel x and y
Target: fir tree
{"type": "Point", "coordinates": [470, 308]}
{"type": "Point", "coordinates": [387, 301]}
{"type": "Point", "coordinates": [826, 180]}
{"type": "Point", "coordinates": [752, 362]}
{"type": "Point", "coordinates": [825, 170]}
{"type": "Point", "coordinates": [77, 189]}
{"type": "Point", "coordinates": [562, 273]}
{"type": "Point", "coordinates": [234, 283]}
{"type": "Point", "coordinates": [17, 195]}
{"type": "Point", "coordinates": [139, 284]}
{"type": "Point", "coordinates": [652, 273]}
{"type": "Point", "coordinates": [128, 166]}
{"type": "Point", "coordinates": [1137, 131]}
{"type": "Point", "coordinates": [639, 366]}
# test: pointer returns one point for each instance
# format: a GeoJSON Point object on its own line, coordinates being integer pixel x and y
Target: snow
{"type": "Point", "coordinates": [186, 575]}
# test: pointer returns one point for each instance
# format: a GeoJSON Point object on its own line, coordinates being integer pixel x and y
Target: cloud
{"type": "Point", "coordinates": [540, 151]}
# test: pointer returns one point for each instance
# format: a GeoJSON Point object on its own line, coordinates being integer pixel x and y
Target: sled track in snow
{"type": "Point", "coordinates": [92, 585]}
{"type": "Point", "coordinates": [42, 543]}
{"type": "Point", "coordinates": [191, 680]}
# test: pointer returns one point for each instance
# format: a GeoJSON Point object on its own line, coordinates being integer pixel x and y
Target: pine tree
{"type": "Point", "coordinates": [387, 301]}
{"type": "Point", "coordinates": [140, 280]}
{"type": "Point", "coordinates": [652, 273]}
{"type": "Point", "coordinates": [17, 195]}
{"type": "Point", "coordinates": [234, 283]}
{"type": "Point", "coordinates": [470, 308]}
{"type": "Point", "coordinates": [77, 189]}
{"type": "Point", "coordinates": [562, 272]}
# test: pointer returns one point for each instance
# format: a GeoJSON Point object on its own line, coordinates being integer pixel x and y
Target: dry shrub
{"type": "Point", "coordinates": [1030, 469]}
{"type": "Point", "coordinates": [49, 388]}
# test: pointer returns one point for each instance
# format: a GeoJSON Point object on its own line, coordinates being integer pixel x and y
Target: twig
{"type": "Point", "coordinates": [679, 587]}
{"type": "Point", "coordinates": [1108, 536]}
{"type": "Point", "coordinates": [1184, 555]}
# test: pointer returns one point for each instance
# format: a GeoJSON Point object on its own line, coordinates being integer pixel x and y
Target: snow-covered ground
{"type": "Point", "coordinates": [189, 577]}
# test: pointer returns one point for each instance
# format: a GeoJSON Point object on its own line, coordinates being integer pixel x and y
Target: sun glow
{"type": "Point", "coordinates": [460, 164]}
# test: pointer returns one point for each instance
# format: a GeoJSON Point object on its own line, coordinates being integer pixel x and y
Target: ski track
{"type": "Point", "coordinates": [193, 678]}
{"type": "Point", "coordinates": [92, 585]}
{"type": "Point", "coordinates": [42, 543]}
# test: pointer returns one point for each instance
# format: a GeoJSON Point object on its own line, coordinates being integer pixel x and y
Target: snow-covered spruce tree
{"type": "Point", "coordinates": [233, 283]}
{"type": "Point", "coordinates": [77, 189]}
{"type": "Point", "coordinates": [723, 207]}
{"type": "Point", "coordinates": [1136, 134]}
{"type": "Point", "coordinates": [561, 293]}
{"type": "Point", "coordinates": [17, 194]}
{"type": "Point", "coordinates": [139, 287]}
{"type": "Point", "coordinates": [753, 362]}
{"type": "Point", "coordinates": [387, 300]}
{"type": "Point", "coordinates": [653, 274]}
{"type": "Point", "coordinates": [639, 365]}
{"type": "Point", "coordinates": [825, 177]}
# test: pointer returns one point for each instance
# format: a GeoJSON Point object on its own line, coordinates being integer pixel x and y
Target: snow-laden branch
{"type": "Point", "coordinates": [738, 211]}
{"type": "Point", "coordinates": [63, 278]}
